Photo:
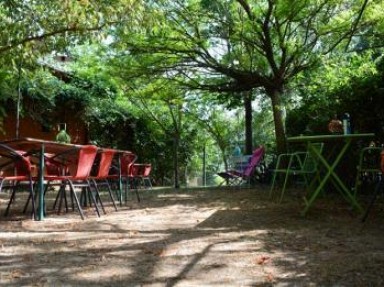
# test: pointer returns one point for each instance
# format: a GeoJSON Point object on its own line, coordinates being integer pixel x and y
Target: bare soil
{"type": "Point", "coordinates": [199, 237]}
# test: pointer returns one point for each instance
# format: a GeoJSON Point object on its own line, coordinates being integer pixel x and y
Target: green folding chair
{"type": "Point", "coordinates": [300, 163]}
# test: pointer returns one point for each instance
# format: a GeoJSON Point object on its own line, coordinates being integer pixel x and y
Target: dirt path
{"type": "Point", "coordinates": [196, 238]}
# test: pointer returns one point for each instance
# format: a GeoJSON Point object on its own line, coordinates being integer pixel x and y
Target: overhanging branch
{"type": "Point", "coordinates": [47, 35]}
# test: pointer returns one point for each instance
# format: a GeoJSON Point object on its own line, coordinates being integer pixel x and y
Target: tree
{"type": "Point", "coordinates": [44, 26]}
{"type": "Point", "coordinates": [163, 106]}
{"type": "Point", "coordinates": [237, 46]}
{"type": "Point", "coordinates": [215, 120]}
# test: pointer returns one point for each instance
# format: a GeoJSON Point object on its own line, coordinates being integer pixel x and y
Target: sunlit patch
{"type": "Point", "coordinates": [94, 273]}
{"type": "Point", "coordinates": [175, 196]}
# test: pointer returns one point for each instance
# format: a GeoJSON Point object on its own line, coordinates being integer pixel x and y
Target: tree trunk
{"type": "Point", "coordinates": [278, 111]}
{"type": "Point", "coordinates": [248, 122]}
{"type": "Point", "coordinates": [176, 160]}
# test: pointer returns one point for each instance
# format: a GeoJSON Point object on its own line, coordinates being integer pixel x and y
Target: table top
{"type": "Point", "coordinates": [32, 144]}
{"type": "Point", "coordinates": [53, 147]}
{"type": "Point", "coordinates": [329, 137]}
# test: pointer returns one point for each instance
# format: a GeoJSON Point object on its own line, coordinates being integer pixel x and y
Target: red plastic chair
{"type": "Point", "coordinates": [15, 169]}
{"type": "Point", "coordinates": [101, 178]}
{"type": "Point", "coordinates": [146, 179]}
{"type": "Point", "coordinates": [54, 165]}
{"type": "Point", "coordinates": [79, 168]}
{"type": "Point", "coordinates": [126, 162]}
{"type": "Point", "coordinates": [134, 176]}
{"type": "Point", "coordinates": [141, 175]}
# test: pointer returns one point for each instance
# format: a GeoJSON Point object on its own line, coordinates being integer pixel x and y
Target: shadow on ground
{"type": "Point", "coordinates": [199, 237]}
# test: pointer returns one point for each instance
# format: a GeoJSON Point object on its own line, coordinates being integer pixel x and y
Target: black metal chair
{"type": "Point", "coordinates": [378, 189]}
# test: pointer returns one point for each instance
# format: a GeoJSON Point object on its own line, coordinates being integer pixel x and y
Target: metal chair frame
{"type": "Point", "coordinates": [237, 177]}
{"type": "Point", "coordinates": [368, 168]}
{"type": "Point", "coordinates": [299, 163]}
{"type": "Point", "coordinates": [378, 189]}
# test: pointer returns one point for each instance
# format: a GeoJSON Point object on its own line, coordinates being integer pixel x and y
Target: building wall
{"type": "Point", "coordinates": [30, 128]}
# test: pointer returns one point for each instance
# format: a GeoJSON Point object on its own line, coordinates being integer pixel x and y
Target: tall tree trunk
{"type": "Point", "coordinates": [278, 111]}
{"type": "Point", "coordinates": [176, 138]}
{"type": "Point", "coordinates": [248, 122]}
{"type": "Point", "coordinates": [176, 114]}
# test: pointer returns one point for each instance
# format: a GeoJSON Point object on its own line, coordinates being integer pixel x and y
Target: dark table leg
{"type": "Point", "coordinates": [41, 184]}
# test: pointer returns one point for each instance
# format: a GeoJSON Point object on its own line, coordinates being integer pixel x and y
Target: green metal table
{"type": "Point", "coordinates": [328, 164]}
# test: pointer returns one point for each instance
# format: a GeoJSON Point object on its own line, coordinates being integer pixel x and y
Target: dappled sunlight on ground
{"type": "Point", "coordinates": [206, 237]}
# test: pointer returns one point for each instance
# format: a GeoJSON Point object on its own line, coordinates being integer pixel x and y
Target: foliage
{"type": "Point", "coordinates": [43, 26]}
{"type": "Point", "coordinates": [235, 46]}
{"type": "Point", "coordinates": [29, 30]}
{"type": "Point", "coordinates": [156, 80]}
{"type": "Point", "coordinates": [164, 126]}
{"type": "Point", "coordinates": [344, 84]}
{"type": "Point", "coordinates": [222, 127]}
{"type": "Point", "coordinates": [263, 126]}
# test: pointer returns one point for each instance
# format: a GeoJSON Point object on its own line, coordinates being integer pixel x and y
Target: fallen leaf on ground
{"type": "Point", "coordinates": [262, 260]}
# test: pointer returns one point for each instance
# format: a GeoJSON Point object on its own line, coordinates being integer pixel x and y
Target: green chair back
{"type": "Point", "coordinates": [310, 163]}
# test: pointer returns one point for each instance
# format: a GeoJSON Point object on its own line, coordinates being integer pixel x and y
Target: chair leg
{"type": "Point", "coordinates": [148, 181]}
{"type": "Point", "coordinates": [115, 187]}
{"type": "Point", "coordinates": [136, 188]}
{"type": "Point", "coordinates": [357, 183]}
{"type": "Point", "coordinates": [287, 174]}
{"type": "Point", "coordinates": [284, 187]}
{"type": "Point", "coordinates": [11, 199]}
{"type": "Point", "coordinates": [111, 196]}
{"type": "Point", "coordinates": [379, 186]}
{"type": "Point", "coordinates": [110, 193]}
{"type": "Point", "coordinates": [72, 200]}
{"type": "Point", "coordinates": [60, 196]}
{"type": "Point", "coordinates": [28, 200]}
{"type": "Point", "coordinates": [93, 198]}
{"type": "Point", "coordinates": [31, 195]}
{"type": "Point", "coordinates": [57, 196]}
{"type": "Point", "coordinates": [63, 197]}
{"type": "Point", "coordinates": [97, 193]}
{"type": "Point", "coordinates": [126, 189]}
{"type": "Point", "coordinates": [273, 184]}
{"type": "Point", "coordinates": [137, 195]}
{"type": "Point", "coordinates": [73, 193]}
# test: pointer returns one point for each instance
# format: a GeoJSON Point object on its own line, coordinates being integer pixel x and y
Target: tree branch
{"type": "Point", "coordinates": [247, 8]}
{"type": "Point", "coordinates": [356, 23]}
{"type": "Point", "coordinates": [47, 35]}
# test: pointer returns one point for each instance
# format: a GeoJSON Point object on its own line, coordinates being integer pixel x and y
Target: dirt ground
{"type": "Point", "coordinates": [199, 237]}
